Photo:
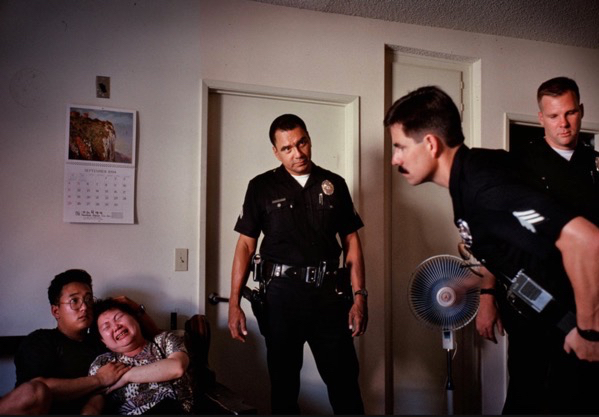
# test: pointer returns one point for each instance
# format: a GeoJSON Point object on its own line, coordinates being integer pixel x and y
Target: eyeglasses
{"type": "Point", "coordinates": [76, 303]}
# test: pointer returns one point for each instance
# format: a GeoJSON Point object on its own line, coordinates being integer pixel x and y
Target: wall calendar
{"type": "Point", "coordinates": [99, 175]}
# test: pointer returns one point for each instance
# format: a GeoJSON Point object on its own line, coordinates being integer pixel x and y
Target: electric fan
{"type": "Point", "coordinates": [444, 293]}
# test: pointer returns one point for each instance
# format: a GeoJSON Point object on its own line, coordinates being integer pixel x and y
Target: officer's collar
{"type": "Point", "coordinates": [283, 174]}
{"type": "Point", "coordinates": [456, 165]}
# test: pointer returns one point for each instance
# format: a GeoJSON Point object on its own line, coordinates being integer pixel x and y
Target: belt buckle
{"type": "Point", "coordinates": [320, 273]}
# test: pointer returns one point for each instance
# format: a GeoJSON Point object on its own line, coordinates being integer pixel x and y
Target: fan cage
{"type": "Point", "coordinates": [444, 274]}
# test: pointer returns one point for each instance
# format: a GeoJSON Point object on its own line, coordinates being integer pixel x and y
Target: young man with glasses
{"type": "Point", "coordinates": [60, 357]}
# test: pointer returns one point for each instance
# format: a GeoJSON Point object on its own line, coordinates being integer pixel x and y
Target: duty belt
{"type": "Point", "coordinates": [310, 274]}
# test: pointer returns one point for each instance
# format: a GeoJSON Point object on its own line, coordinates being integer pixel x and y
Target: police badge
{"type": "Point", "coordinates": [327, 187]}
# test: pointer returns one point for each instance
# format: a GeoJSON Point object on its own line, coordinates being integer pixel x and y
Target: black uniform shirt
{"type": "Point", "coordinates": [300, 224]}
{"type": "Point", "coordinates": [574, 182]}
{"type": "Point", "coordinates": [513, 226]}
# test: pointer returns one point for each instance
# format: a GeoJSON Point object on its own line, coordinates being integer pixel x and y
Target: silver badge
{"type": "Point", "coordinates": [327, 187]}
{"type": "Point", "coordinates": [597, 163]}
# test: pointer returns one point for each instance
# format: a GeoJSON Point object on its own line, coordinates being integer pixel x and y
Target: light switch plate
{"type": "Point", "coordinates": [102, 87]}
{"type": "Point", "coordinates": [181, 259]}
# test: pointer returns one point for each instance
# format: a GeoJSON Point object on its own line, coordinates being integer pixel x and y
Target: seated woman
{"type": "Point", "coordinates": [156, 383]}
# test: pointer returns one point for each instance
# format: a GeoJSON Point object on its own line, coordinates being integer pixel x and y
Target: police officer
{"type": "Point", "coordinates": [563, 165]}
{"type": "Point", "coordinates": [508, 226]}
{"type": "Point", "coordinates": [300, 209]}
{"type": "Point", "coordinates": [565, 168]}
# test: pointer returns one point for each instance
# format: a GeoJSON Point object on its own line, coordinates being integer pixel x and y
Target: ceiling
{"type": "Point", "coordinates": [566, 22]}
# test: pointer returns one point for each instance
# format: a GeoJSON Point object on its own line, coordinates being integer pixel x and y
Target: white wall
{"type": "Point", "coordinates": [270, 45]}
{"type": "Point", "coordinates": [51, 52]}
{"type": "Point", "coordinates": [156, 53]}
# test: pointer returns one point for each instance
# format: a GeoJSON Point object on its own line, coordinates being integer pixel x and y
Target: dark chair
{"type": "Point", "coordinates": [211, 397]}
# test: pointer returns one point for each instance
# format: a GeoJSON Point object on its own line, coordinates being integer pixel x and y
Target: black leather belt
{"type": "Point", "coordinates": [310, 274]}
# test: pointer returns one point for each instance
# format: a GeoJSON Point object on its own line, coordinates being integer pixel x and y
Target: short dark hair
{"type": "Point", "coordinates": [65, 278]}
{"type": "Point", "coordinates": [427, 109]}
{"type": "Point", "coordinates": [110, 303]}
{"type": "Point", "coordinates": [285, 122]}
{"type": "Point", "coordinates": [557, 86]}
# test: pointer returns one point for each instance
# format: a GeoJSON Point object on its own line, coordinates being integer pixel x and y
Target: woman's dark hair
{"type": "Point", "coordinates": [106, 304]}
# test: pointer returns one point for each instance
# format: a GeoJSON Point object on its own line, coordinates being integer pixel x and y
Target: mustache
{"type": "Point", "coordinates": [401, 170]}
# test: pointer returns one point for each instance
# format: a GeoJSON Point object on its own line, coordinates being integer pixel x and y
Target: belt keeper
{"type": "Point", "coordinates": [322, 270]}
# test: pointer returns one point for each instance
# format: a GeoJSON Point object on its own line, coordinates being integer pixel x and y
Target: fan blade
{"type": "Point", "coordinates": [443, 292]}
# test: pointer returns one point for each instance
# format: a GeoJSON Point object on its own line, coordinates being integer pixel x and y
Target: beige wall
{"type": "Point", "coordinates": [157, 52]}
{"type": "Point", "coordinates": [51, 52]}
{"type": "Point", "coordinates": [269, 45]}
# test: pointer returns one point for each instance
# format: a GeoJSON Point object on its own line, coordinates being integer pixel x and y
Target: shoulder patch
{"type": "Point", "coordinates": [528, 219]}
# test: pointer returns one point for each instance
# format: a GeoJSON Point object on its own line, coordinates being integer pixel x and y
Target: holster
{"type": "Point", "coordinates": [343, 285]}
{"type": "Point", "coordinates": [257, 296]}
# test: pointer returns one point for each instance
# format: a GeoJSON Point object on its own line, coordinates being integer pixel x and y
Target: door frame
{"type": "Point", "coordinates": [351, 105]}
{"type": "Point", "coordinates": [471, 114]}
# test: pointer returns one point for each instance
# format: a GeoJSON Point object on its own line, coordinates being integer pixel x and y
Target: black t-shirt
{"type": "Point", "coordinates": [300, 224]}
{"type": "Point", "coordinates": [513, 226]}
{"type": "Point", "coordinates": [49, 353]}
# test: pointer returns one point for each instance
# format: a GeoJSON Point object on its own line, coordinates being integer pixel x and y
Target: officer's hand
{"type": "Point", "coordinates": [237, 324]}
{"type": "Point", "coordinates": [358, 316]}
{"type": "Point", "coordinates": [487, 318]}
{"type": "Point", "coordinates": [584, 349]}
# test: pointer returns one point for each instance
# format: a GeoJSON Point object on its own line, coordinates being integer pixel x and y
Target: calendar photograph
{"type": "Point", "coordinates": [99, 134]}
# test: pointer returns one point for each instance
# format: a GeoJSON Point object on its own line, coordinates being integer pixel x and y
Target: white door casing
{"type": "Point", "coordinates": [235, 148]}
{"type": "Point", "coordinates": [421, 227]}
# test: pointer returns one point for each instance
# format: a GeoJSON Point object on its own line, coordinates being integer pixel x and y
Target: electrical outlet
{"type": "Point", "coordinates": [181, 259]}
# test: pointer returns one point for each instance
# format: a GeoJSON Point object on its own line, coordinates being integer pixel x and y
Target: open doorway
{"type": "Point", "coordinates": [236, 148]}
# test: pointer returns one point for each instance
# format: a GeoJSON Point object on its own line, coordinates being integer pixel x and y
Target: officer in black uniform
{"type": "Point", "coordinates": [567, 169]}
{"type": "Point", "coordinates": [513, 229]}
{"type": "Point", "coordinates": [561, 164]}
{"type": "Point", "coordinates": [301, 209]}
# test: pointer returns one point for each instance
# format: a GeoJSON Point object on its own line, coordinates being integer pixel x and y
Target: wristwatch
{"type": "Point", "coordinates": [362, 292]}
{"type": "Point", "coordinates": [590, 335]}
{"type": "Point", "coordinates": [490, 291]}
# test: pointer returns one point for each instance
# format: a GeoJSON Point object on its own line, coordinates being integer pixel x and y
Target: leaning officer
{"type": "Point", "coordinates": [514, 230]}
{"type": "Point", "coordinates": [301, 208]}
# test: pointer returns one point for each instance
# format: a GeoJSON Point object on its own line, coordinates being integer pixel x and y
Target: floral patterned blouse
{"type": "Point", "coordinates": [134, 398]}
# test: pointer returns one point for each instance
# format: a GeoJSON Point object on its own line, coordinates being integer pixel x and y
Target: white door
{"type": "Point", "coordinates": [422, 226]}
{"type": "Point", "coordinates": [238, 148]}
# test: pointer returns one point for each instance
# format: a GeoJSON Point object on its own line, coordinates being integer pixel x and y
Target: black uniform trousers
{"type": "Point", "coordinates": [544, 379]}
{"type": "Point", "coordinates": [298, 312]}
